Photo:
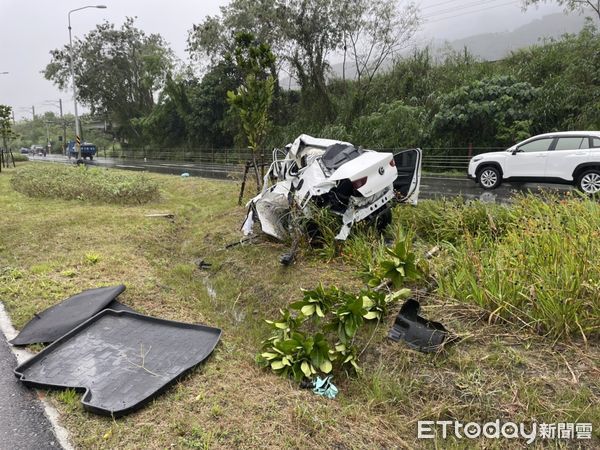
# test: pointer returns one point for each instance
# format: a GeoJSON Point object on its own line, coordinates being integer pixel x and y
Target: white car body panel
{"type": "Point", "coordinates": [369, 164]}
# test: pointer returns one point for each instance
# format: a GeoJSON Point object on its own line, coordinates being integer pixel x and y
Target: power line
{"type": "Point", "coordinates": [471, 12]}
{"type": "Point", "coordinates": [438, 4]}
{"type": "Point", "coordinates": [459, 8]}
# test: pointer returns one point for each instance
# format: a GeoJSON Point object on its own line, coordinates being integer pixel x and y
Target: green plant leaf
{"type": "Point", "coordinates": [326, 366]}
{"type": "Point", "coordinates": [277, 365]}
{"type": "Point", "coordinates": [371, 315]}
{"type": "Point", "coordinates": [305, 367]}
{"type": "Point", "coordinates": [308, 310]}
{"type": "Point", "coordinates": [366, 302]}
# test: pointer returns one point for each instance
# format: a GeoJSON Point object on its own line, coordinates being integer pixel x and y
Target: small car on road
{"type": "Point", "coordinates": [568, 157]}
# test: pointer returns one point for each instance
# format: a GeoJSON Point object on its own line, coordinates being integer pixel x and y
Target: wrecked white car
{"type": "Point", "coordinates": [351, 182]}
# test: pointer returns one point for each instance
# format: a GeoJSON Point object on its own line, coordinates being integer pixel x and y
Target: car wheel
{"type": "Point", "coordinates": [489, 178]}
{"type": "Point", "coordinates": [589, 182]}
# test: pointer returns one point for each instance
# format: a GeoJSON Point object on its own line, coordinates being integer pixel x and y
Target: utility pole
{"type": "Point", "coordinates": [33, 111]}
{"type": "Point", "coordinates": [13, 116]}
{"type": "Point", "coordinates": [77, 129]}
{"type": "Point", "coordinates": [64, 125]}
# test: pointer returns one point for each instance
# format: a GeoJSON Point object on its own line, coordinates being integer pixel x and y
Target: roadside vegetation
{"type": "Point", "coordinates": [84, 183]}
{"type": "Point", "coordinates": [531, 263]}
{"type": "Point", "coordinates": [383, 97]}
{"type": "Point", "coordinates": [522, 354]}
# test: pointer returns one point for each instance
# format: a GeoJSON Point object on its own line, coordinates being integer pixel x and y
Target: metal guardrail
{"type": "Point", "coordinates": [434, 159]}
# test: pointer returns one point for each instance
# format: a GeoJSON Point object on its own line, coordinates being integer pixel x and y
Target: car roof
{"type": "Point", "coordinates": [569, 133]}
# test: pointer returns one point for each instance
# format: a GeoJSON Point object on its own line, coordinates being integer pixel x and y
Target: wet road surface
{"type": "Point", "coordinates": [23, 424]}
{"type": "Point", "coordinates": [432, 186]}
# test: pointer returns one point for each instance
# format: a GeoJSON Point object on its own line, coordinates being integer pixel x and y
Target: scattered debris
{"type": "Point", "coordinates": [122, 359]}
{"type": "Point", "coordinates": [418, 333]}
{"type": "Point", "coordinates": [165, 215]}
{"type": "Point", "coordinates": [54, 322]}
{"type": "Point", "coordinates": [240, 242]}
{"type": "Point", "coordinates": [185, 174]}
{"type": "Point", "coordinates": [325, 387]}
{"type": "Point", "coordinates": [287, 258]}
{"type": "Point", "coordinates": [201, 264]}
{"type": "Point", "coordinates": [352, 182]}
{"type": "Point", "coordinates": [321, 386]}
{"type": "Point", "coordinates": [433, 252]}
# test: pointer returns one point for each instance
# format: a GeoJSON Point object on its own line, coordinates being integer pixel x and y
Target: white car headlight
{"type": "Point", "coordinates": [477, 158]}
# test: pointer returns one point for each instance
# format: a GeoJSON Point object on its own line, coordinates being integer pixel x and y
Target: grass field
{"type": "Point", "coordinates": [51, 249]}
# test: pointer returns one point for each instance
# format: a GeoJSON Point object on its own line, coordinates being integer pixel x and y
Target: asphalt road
{"type": "Point", "coordinates": [431, 186]}
{"type": "Point", "coordinates": [23, 424]}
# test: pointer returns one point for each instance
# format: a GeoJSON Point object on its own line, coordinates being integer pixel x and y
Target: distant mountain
{"type": "Point", "coordinates": [494, 46]}
{"type": "Point", "coordinates": [488, 46]}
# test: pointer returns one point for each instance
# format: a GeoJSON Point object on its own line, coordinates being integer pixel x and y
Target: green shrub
{"type": "Point", "coordinates": [19, 157]}
{"type": "Point", "coordinates": [83, 183]}
{"type": "Point", "coordinates": [321, 336]}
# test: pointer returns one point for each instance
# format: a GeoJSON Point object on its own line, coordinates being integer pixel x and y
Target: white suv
{"type": "Point", "coordinates": [570, 157]}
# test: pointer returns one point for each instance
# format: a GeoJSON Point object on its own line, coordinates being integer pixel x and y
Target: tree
{"type": "Point", "coordinates": [193, 112]}
{"type": "Point", "coordinates": [491, 111]}
{"type": "Point", "coordinates": [567, 75]}
{"type": "Point", "coordinates": [5, 125]}
{"type": "Point", "coordinates": [215, 36]}
{"type": "Point", "coordinates": [395, 125]}
{"type": "Point", "coordinates": [117, 72]}
{"type": "Point", "coordinates": [253, 98]}
{"type": "Point", "coordinates": [571, 5]}
{"type": "Point", "coordinates": [376, 31]}
{"type": "Point", "coordinates": [313, 29]}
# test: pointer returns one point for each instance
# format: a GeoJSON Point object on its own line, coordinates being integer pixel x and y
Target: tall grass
{"type": "Point", "coordinates": [534, 263]}
{"type": "Point", "coordinates": [83, 183]}
{"type": "Point", "coordinates": [449, 220]}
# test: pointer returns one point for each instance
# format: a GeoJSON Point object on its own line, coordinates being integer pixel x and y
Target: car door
{"type": "Point", "coordinates": [529, 159]}
{"type": "Point", "coordinates": [408, 183]}
{"type": "Point", "coordinates": [565, 155]}
{"type": "Point", "coordinates": [594, 154]}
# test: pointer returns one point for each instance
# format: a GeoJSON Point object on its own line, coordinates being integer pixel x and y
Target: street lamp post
{"type": "Point", "coordinates": [77, 129]}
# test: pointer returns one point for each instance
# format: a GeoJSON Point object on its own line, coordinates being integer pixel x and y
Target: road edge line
{"type": "Point", "coordinates": [22, 355]}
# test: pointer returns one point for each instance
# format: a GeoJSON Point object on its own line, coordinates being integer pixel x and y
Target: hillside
{"type": "Point", "coordinates": [493, 46]}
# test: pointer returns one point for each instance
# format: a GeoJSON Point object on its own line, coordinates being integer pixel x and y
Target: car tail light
{"type": "Point", "coordinates": [393, 163]}
{"type": "Point", "coordinates": [357, 184]}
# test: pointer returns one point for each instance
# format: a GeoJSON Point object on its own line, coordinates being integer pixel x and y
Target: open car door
{"type": "Point", "coordinates": [408, 183]}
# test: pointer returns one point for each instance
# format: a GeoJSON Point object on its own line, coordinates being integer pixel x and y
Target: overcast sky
{"type": "Point", "coordinates": [31, 28]}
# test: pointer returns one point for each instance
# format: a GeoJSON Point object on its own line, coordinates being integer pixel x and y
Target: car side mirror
{"type": "Point", "coordinates": [515, 151]}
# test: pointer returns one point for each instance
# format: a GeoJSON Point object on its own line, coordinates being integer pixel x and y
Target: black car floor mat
{"type": "Point", "coordinates": [120, 359]}
{"type": "Point", "coordinates": [61, 318]}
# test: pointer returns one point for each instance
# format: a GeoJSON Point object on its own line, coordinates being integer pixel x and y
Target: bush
{"type": "Point", "coordinates": [19, 157]}
{"type": "Point", "coordinates": [394, 125]}
{"type": "Point", "coordinates": [83, 183]}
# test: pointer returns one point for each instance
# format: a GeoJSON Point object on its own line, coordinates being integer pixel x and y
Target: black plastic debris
{"type": "Point", "coordinates": [121, 360]}
{"type": "Point", "coordinates": [52, 323]}
{"type": "Point", "coordinates": [287, 258]}
{"type": "Point", "coordinates": [418, 333]}
{"type": "Point", "coordinates": [202, 264]}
